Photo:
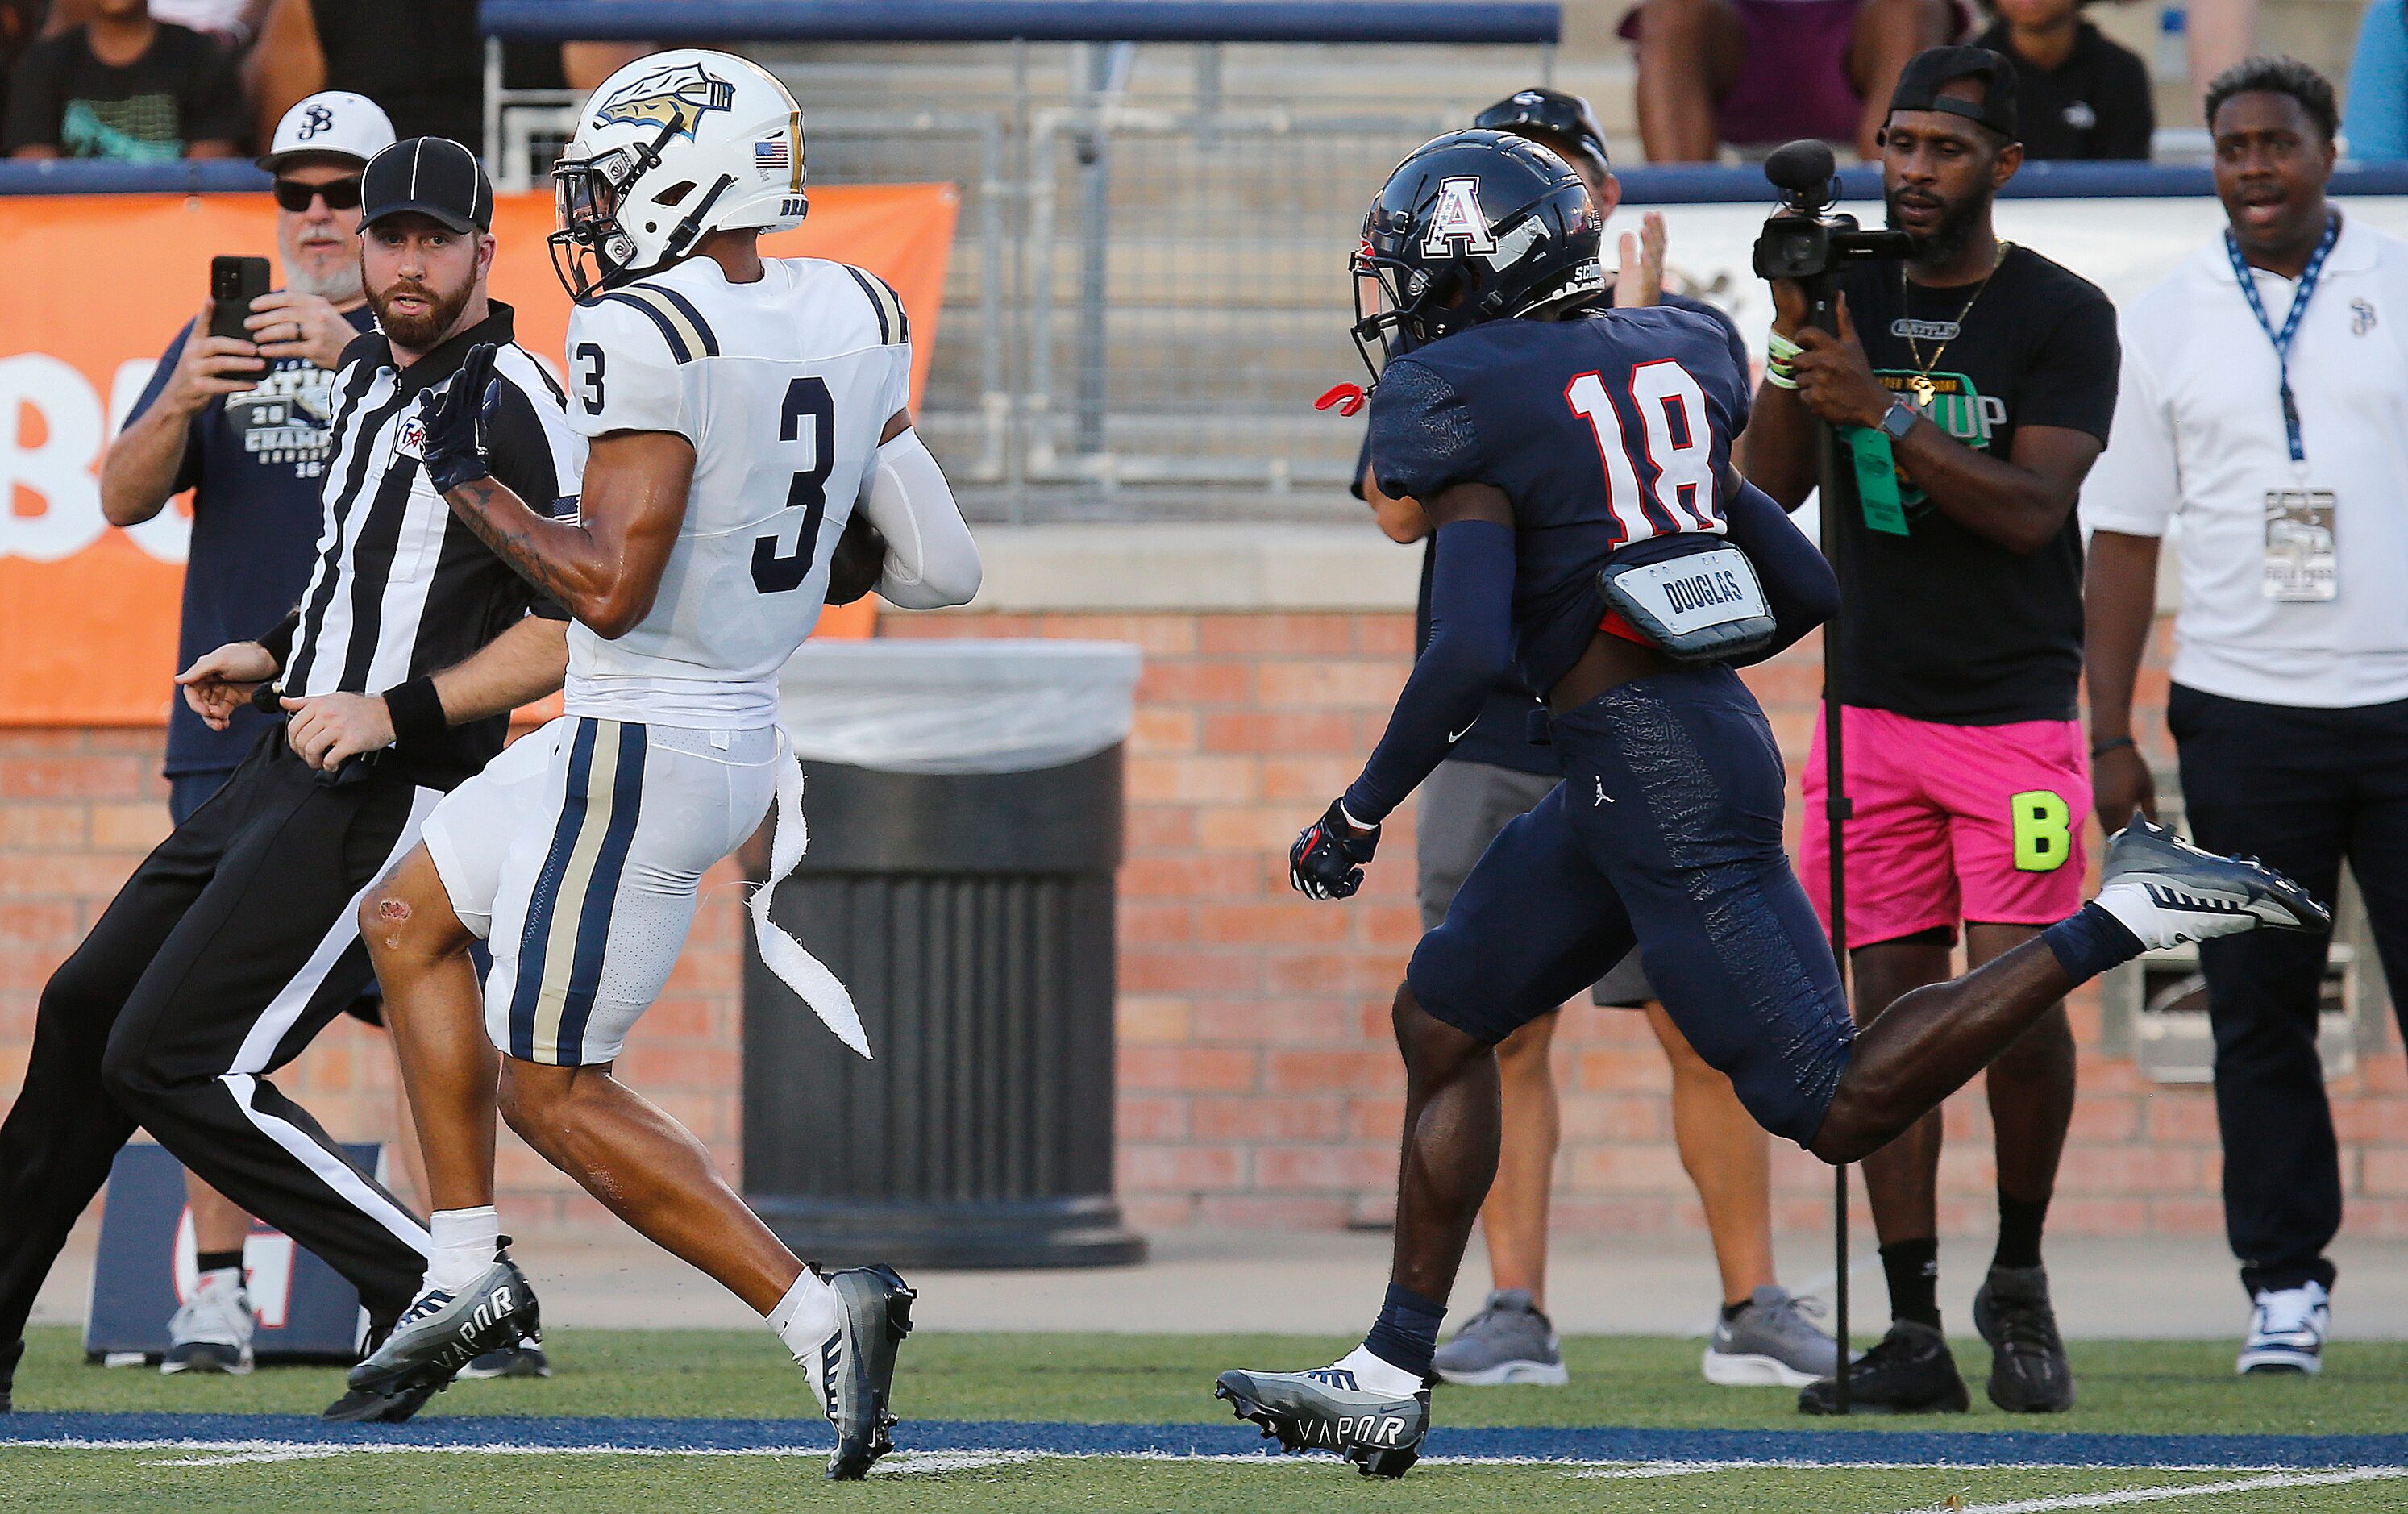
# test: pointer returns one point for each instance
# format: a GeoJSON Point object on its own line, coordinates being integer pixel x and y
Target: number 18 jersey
{"type": "Point", "coordinates": [783, 386]}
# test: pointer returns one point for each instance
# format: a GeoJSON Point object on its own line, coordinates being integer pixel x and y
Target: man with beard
{"type": "Point", "coordinates": [2265, 405]}
{"type": "Point", "coordinates": [244, 425]}
{"type": "Point", "coordinates": [1978, 381]}
{"type": "Point", "coordinates": [237, 940]}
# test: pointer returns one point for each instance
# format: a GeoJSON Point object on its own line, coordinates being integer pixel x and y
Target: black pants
{"type": "Point", "coordinates": [2302, 788]}
{"type": "Point", "coordinates": [229, 949]}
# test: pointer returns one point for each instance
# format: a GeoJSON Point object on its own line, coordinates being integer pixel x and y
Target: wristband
{"type": "Point", "coordinates": [1778, 378]}
{"type": "Point", "coordinates": [278, 641]}
{"type": "Point", "coordinates": [2111, 745]}
{"type": "Point", "coordinates": [1781, 347]}
{"type": "Point", "coordinates": [416, 711]}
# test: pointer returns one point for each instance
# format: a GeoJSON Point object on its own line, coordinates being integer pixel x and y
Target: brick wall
{"type": "Point", "coordinates": [1258, 1086]}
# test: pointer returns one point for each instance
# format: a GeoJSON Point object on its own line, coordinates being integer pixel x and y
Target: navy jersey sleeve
{"type": "Point", "coordinates": [1422, 438]}
{"type": "Point", "coordinates": [1800, 588]}
{"type": "Point", "coordinates": [188, 472]}
{"type": "Point", "coordinates": [2071, 381]}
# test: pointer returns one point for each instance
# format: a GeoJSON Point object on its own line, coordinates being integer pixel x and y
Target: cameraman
{"type": "Point", "coordinates": [1986, 374]}
{"type": "Point", "coordinates": [244, 425]}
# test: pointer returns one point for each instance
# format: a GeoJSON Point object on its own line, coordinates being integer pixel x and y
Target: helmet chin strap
{"type": "Point", "coordinates": [689, 231]}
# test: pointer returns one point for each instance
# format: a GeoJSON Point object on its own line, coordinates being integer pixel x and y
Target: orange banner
{"type": "Point", "coordinates": [98, 284]}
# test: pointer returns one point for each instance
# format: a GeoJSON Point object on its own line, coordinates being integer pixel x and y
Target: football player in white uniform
{"type": "Point", "coordinates": [742, 411]}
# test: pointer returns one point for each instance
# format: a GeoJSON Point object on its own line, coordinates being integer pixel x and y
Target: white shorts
{"type": "Point", "coordinates": [578, 853]}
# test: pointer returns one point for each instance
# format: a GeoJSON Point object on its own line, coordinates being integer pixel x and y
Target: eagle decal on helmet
{"type": "Point", "coordinates": [677, 95]}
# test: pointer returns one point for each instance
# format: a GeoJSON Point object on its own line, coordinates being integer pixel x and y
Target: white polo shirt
{"type": "Point", "coordinates": [2198, 437]}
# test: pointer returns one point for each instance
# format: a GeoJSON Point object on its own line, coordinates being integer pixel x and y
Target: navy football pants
{"type": "Point", "coordinates": [1666, 831]}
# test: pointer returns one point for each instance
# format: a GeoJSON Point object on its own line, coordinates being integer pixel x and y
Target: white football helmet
{"type": "Point", "coordinates": [670, 148]}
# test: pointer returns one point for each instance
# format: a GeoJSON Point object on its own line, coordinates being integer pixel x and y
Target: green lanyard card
{"type": "Point", "coordinates": [1876, 479]}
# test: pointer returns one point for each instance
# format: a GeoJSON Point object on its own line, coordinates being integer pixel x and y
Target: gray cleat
{"type": "Point", "coordinates": [854, 1376]}
{"type": "Point", "coordinates": [212, 1332]}
{"type": "Point", "coordinates": [1323, 1409]}
{"type": "Point", "coordinates": [1770, 1343]}
{"type": "Point", "coordinates": [440, 1333]}
{"type": "Point", "coordinates": [1509, 1340]}
{"type": "Point", "coordinates": [2192, 895]}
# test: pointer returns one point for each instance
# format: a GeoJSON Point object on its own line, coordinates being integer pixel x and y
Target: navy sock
{"type": "Point", "coordinates": [1406, 1335]}
{"type": "Point", "coordinates": [1912, 1268]}
{"type": "Point", "coordinates": [2019, 1227]}
{"type": "Point", "coordinates": [217, 1261]}
{"type": "Point", "coordinates": [2090, 941]}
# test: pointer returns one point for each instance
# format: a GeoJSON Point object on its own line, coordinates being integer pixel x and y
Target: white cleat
{"type": "Point", "coordinates": [212, 1332]}
{"type": "Point", "coordinates": [2167, 892]}
{"type": "Point", "coordinates": [2288, 1331]}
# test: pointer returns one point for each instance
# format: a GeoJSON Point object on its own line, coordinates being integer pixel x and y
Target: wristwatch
{"type": "Point", "coordinates": [1899, 419]}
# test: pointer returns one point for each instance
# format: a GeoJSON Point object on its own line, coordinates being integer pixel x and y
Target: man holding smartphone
{"type": "Point", "coordinates": [243, 424]}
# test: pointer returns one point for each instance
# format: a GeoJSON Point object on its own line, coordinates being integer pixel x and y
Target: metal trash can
{"type": "Point", "coordinates": [964, 804]}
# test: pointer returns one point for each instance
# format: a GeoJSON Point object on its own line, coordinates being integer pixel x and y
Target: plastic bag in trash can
{"type": "Point", "coordinates": [958, 707]}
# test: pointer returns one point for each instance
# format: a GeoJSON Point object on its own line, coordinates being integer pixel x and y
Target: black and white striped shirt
{"type": "Point", "coordinates": [401, 586]}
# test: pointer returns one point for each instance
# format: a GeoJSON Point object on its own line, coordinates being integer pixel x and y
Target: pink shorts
{"type": "Point", "coordinates": [1952, 822]}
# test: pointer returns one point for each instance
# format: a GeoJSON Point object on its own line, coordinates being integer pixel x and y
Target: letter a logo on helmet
{"type": "Point", "coordinates": [667, 95]}
{"type": "Point", "coordinates": [1456, 216]}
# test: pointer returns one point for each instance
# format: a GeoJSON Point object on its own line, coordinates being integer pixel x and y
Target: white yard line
{"type": "Point", "coordinates": [2192, 1490]}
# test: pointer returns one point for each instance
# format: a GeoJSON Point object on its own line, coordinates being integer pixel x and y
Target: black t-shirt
{"type": "Point", "coordinates": [2097, 104]}
{"type": "Point", "coordinates": [1503, 735]}
{"type": "Point", "coordinates": [182, 89]}
{"type": "Point", "coordinates": [1943, 624]}
{"type": "Point", "coordinates": [424, 62]}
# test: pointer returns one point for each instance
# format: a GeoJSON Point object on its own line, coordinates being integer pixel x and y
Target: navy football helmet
{"type": "Point", "coordinates": [1473, 226]}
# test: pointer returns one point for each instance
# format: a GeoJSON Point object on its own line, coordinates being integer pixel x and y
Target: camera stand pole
{"type": "Point", "coordinates": [1837, 483]}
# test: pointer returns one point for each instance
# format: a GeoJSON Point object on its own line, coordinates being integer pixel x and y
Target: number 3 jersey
{"type": "Point", "coordinates": [1605, 429]}
{"type": "Point", "coordinates": [784, 387]}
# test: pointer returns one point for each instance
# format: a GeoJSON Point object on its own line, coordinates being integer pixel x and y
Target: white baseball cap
{"type": "Point", "coordinates": [331, 121]}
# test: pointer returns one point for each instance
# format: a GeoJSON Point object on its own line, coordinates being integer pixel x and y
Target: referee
{"type": "Point", "coordinates": [236, 941]}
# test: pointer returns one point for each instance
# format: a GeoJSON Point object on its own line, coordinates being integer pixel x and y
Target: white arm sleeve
{"type": "Point", "coordinates": [931, 562]}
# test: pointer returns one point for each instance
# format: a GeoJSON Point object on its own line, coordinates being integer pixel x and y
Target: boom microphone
{"type": "Point", "coordinates": [1801, 166]}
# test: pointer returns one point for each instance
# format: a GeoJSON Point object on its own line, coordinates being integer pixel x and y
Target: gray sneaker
{"type": "Point", "coordinates": [1507, 1341]}
{"type": "Point", "coordinates": [1772, 1343]}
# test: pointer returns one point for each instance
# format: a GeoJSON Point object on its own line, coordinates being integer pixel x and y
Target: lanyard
{"type": "Point", "coordinates": [2282, 339]}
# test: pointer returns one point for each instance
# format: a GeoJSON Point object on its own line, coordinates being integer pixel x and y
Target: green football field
{"type": "Point", "coordinates": [709, 1420]}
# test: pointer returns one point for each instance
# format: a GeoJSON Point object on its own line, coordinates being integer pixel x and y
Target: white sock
{"type": "Point", "coordinates": [1379, 1376]}
{"type": "Point", "coordinates": [464, 1243]}
{"type": "Point", "coordinates": [804, 1320]}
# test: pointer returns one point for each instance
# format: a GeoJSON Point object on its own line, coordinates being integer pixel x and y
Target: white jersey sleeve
{"type": "Point", "coordinates": [626, 369]}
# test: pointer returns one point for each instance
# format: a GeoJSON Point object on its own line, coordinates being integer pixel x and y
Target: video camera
{"type": "Point", "coordinates": [1803, 240]}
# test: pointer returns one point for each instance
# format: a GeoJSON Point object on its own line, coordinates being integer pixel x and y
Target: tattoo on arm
{"type": "Point", "coordinates": [503, 522]}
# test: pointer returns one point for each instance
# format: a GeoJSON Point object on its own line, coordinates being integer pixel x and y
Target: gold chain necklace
{"type": "Point", "coordinates": [1921, 383]}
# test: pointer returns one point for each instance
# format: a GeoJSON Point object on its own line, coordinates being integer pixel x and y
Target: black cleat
{"type": "Point", "coordinates": [1909, 1371]}
{"type": "Point", "coordinates": [363, 1406]}
{"type": "Point", "coordinates": [1324, 1410]}
{"type": "Point", "coordinates": [855, 1372]}
{"type": "Point", "coordinates": [2029, 1372]}
{"type": "Point", "coordinates": [440, 1333]}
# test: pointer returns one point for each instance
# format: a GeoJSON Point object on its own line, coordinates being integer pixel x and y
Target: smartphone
{"type": "Point", "coordinates": [234, 283]}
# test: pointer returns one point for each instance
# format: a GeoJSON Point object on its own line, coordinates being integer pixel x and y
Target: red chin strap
{"type": "Point", "coordinates": [1344, 398]}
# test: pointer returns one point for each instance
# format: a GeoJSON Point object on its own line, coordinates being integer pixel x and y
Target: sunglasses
{"type": "Point", "coordinates": [341, 193]}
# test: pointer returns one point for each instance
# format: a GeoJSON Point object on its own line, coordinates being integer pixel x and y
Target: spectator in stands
{"type": "Point", "coordinates": [1493, 774]}
{"type": "Point", "coordinates": [2219, 33]}
{"type": "Point", "coordinates": [1757, 73]}
{"type": "Point", "coordinates": [232, 24]}
{"type": "Point", "coordinates": [2077, 93]}
{"type": "Point", "coordinates": [2375, 124]}
{"type": "Point", "coordinates": [2289, 706]}
{"type": "Point", "coordinates": [124, 86]}
{"type": "Point", "coordinates": [423, 62]}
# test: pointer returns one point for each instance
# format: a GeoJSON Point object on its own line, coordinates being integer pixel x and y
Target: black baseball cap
{"type": "Point", "coordinates": [1933, 69]}
{"type": "Point", "coordinates": [433, 176]}
{"type": "Point", "coordinates": [1554, 117]}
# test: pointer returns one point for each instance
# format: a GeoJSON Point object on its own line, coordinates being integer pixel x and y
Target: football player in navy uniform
{"type": "Point", "coordinates": [1592, 531]}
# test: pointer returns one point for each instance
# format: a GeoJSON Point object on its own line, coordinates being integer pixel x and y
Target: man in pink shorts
{"type": "Point", "coordinates": [1983, 375]}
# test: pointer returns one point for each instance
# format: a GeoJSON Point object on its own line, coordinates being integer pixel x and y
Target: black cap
{"type": "Point", "coordinates": [1931, 70]}
{"type": "Point", "coordinates": [1554, 117]}
{"type": "Point", "coordinates": [433, 176]}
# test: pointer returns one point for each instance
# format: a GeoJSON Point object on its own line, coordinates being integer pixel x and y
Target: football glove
{"type": "Point", "coordinates": [858, 561]}
{"type": "Point", "coordinates": [1327, 862]}
{"type": "Point", "coordinates": [453, 449]}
